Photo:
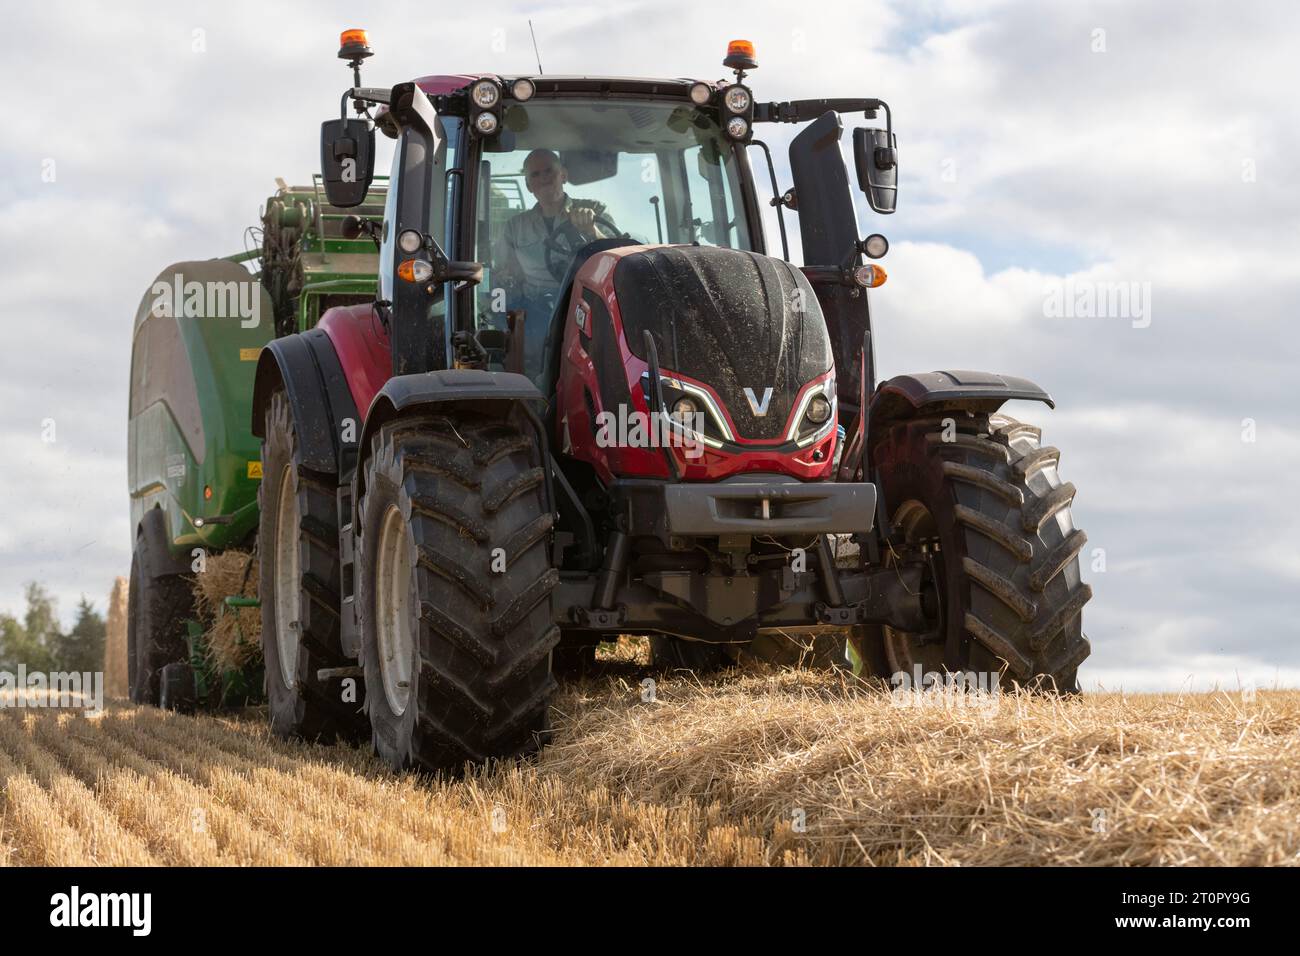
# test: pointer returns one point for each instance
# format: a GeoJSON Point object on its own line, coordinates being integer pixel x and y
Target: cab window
{"type": "Point", "coordinates": [563, 173]}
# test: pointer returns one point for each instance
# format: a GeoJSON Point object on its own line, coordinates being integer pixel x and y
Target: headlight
{"type": "Point", "coordinates": [701, 94]}
{"type": "Point", "coordinates": [486, 123]}
{"type": "Point", "coordinates": [684, 411]}
{"type": "Point", "coordinates": [523, 90]}
{"type": "Point", "coordinates": [485, 94]}
{"type": "Point", "coordinates": [737, 99]}
{"type": "Point", "coordinates": [410, 241]}
{"type": "Point", "coordinates": [737, 128]}
{"type": "Point", "coordinates": [875, 245]}
{"type": "Point", "coordinates": [819, 410]}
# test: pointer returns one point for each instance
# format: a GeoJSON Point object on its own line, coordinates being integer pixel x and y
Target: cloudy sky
{"type": "Point", "coordinates": [1044, 146]}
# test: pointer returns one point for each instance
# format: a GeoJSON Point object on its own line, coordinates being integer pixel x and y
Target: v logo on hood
{"type": "Point", "coordinates": [759, 408]}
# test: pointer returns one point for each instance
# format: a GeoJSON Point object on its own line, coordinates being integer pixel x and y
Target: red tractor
{"type": "Point", "coordinates": [617, 411]}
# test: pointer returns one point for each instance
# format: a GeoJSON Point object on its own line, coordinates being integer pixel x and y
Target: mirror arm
{"type": "Point", "coordinates": [889, 134]}
{"type": "Point", "coordinates": [343, 104]}
{"type": "Point", "coordinates": [354, 226]}
{"type": "Point", "coordinates": [361, 95]}
{"type": "Point", "coordinates": [451, 270]}
{"type": "Point", "coordinates": [890, 160]}
{"type": "Point", "coordinates": [799, 111]}
{"type": "Point", "coordinates": [372, 94]}
{"type": "Point", "coordinates": [889, 119]}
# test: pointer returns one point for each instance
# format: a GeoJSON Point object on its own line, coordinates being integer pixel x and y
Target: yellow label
{"type": "Point", "coordinates": [249, 355]}
{"type": "Point", "coordinates": [254, 469]}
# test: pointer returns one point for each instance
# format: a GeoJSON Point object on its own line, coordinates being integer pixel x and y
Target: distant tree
{"type": "Point", "coordinates": [32, 641]}
{"type": "Point", "coordinates": [82, 648]}
{"type": "Point", "coordinates": [42, 626]}
{"type": "Point", "coordinates": [12, 639]}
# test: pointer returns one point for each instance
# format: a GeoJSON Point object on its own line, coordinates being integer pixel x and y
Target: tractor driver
{"type": "Point", "coordinates": [536, 247]}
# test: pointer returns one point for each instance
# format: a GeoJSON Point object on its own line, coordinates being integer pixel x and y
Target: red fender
{"type": "Point", "coordinates": [364, 350]}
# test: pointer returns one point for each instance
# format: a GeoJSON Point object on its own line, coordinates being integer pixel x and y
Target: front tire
{"type": "Point", "coordinates": [456, 579]}
{"type": "Point", "coordinates": [979, 502]}
{"type": "Point", "coordinates": [299, 586]}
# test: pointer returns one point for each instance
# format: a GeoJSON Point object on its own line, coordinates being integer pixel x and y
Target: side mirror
{"type": "Point", "coordinates": [347, 160]}
{"type": "Point", "coordinates": [875, 153]}
{"type": "Point", "coordinates": [354, 227]}
{"type": "Point", "coordinates": [351, 227]}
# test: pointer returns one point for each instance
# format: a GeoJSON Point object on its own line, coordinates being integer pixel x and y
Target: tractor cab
{"type": "Point", "coordinates": [504, 185]}
{"type": "Point", "coordinates": [566, 169]}
{"type": "Point", "coordinates": [564, 174]}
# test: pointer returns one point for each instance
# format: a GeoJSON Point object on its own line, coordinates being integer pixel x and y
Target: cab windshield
{"type": "Point", "coordinates": [564, 173]}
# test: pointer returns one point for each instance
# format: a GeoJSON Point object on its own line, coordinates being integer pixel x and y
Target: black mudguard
{"type": "Point", "coordinates": [906, 396]}
{"type": "Point", "coordinates": [462, 386]}
{"type": "Point", "coordinates": [936, 393]}
{"type": "Point", "coordinates": [308, 367]}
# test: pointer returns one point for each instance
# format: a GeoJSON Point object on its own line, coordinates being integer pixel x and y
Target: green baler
{"type": "Point", "coordinates": [191, 452]}
{"type": "Point", "coordinates": [193, 462]}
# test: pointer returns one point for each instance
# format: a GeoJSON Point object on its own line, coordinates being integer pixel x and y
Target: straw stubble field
{"type": "Point", "coordinates": [769, 767]}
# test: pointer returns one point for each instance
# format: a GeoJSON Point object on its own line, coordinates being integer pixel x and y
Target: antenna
{"type": "Point", "coordinates": [536, 52]}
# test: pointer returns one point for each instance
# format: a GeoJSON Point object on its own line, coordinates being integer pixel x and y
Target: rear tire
{"type": "Point", "coordinates": [1006, 565]}
{"type": "Point", "coordinates": [299, 586]}
{"type": "Point", "coordinates": [456, 579]}
{"type": "Point", "coordinates": [156, 611]}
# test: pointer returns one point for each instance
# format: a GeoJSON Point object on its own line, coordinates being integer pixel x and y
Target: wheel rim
{"type": "Point", "coordinates": [905, 649]}
{"type": "Point", "coordinates": [396, 639]}
{"type": "Point", "coordinates": [288, 579]}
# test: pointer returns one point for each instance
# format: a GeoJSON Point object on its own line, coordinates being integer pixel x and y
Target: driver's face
{"type": "Point", "coordinates": [545, 178]}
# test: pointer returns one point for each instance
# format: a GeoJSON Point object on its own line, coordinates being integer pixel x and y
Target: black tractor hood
{"type": "Point", "coordinates": [731, 319]}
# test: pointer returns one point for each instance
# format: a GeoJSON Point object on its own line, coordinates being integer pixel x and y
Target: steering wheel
{"type": "Point", "coordinates": [559, 256]}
